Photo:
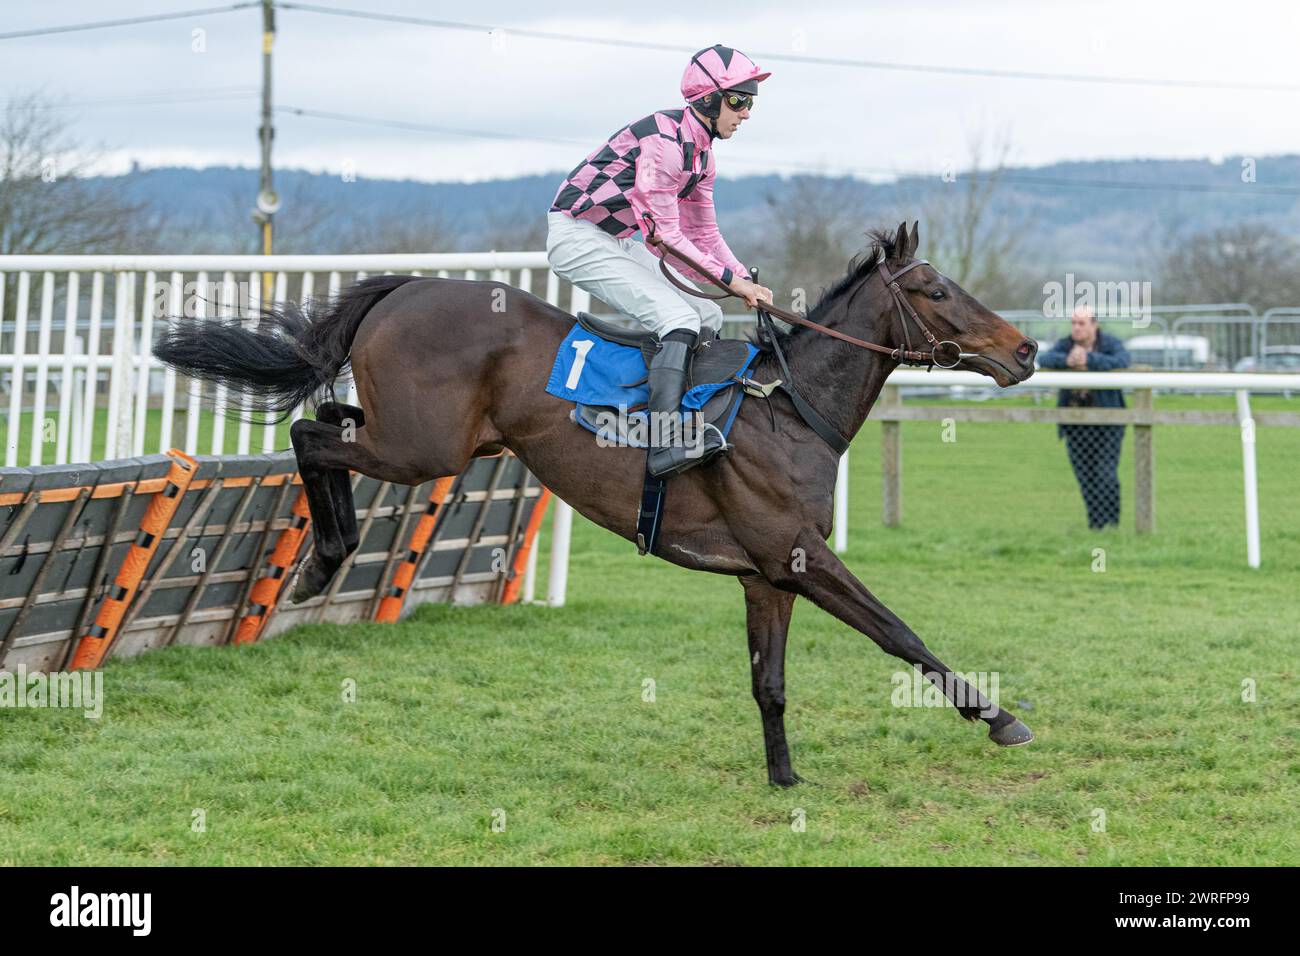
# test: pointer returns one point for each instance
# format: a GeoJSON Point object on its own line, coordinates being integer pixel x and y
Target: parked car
{"type": "Point", "coordinates": [1183, 353]}
{"type": "Point", "coordinates": [1273, 358]}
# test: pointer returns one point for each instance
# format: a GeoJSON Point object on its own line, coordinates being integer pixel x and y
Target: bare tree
{"type": "Point", "coordinates": [415, 230]}
{"type": "Point", "coordinates": [965, 233]}
{"type": "Point", "coordinates": [312, 221]}
{"type": "Point", "coordinates": [518, 229]}
{"type": "Point", "coordinates": [816, 225]}
{"type": "Point", "coordinates": [1248, 262]}
{"type": "Point", "coordinates": [46, 204]}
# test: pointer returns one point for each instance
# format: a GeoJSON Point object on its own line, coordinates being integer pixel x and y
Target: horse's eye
{"type": "Point", "coordinates": [937, 294]}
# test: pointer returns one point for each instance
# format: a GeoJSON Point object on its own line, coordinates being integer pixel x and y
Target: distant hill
{"type": "Point", "coordinates": [1087, 216]}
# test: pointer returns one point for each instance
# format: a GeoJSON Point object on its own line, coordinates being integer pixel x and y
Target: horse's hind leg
{"type": "Point", "coordinates": [831, 586]}
{"type": "Point", "coordinates": [321, 484]}
{"type": "Point", "coordinates": [326, 453]}
{"type": "Point", "coordinates": [348, 417]}
{"type": "Point", "coordinates": [767, 621]}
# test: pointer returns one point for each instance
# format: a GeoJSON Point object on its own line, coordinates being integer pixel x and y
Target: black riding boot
{"type": "Point", "coordinates": [675, 447]}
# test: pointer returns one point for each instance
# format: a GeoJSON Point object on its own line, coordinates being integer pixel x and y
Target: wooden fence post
{"type": "Point", "coordinates": [1144, 462]}
{"type": "Point", "coordinates": [891, 457]}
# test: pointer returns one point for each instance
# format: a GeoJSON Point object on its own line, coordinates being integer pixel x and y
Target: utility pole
{"type": "Point", "coordinates": [268, 203]}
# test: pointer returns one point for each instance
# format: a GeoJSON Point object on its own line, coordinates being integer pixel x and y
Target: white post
{"type": "Point", "coordinates": [122, 414]}
{"type": "Point", "coordinates": [142, 380]}
{"type": "Point", "coordinates": [176, 304]}
{"type": "Point", "coordinates": [561, 531]}
{"type": "Point", "coordinates": [224, 311]}
{"type": "Point", "coordinates": [42, 369]}
{"type": "Point", "coordinates": [76, 385]}
{"type": "Point", "coordinates": [1249, 477]}
{"type": "Point", "coordinates": [115, 381]}
{"type": "Point", "coordinates": [581, 300]}
{"type": "Point", "coordinates": [842, 506]}
{"type": "Point", "coordinates": [280, 295]}
{"type": "Point", "coordinates": [67, 376]}
{"type": "Point", "coordinates": [91, 393]}
{"type": "Point", "coordinates": [530, 573]}
{"type": "Point", "coordinates": [15, 430]}
{"type": "Point", "coordinates": [248, 318]}
{"type": "Point", "coordinates": [195, 405]}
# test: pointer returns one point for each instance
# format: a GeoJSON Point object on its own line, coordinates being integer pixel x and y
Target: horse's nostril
{"type": "Point", "coordinates": [1026, 351]}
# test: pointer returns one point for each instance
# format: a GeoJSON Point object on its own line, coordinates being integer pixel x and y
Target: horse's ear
{"type": "Point", "coordinates": [915, 239]}
{"type": "Point", "coordinates": [900, 241]}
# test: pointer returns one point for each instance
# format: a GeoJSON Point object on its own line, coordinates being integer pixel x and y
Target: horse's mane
{"type": "Point", "coordinates": [861, 266]}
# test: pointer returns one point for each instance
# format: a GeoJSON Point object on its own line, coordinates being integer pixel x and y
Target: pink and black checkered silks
{"type": "Point", "coordinates": [661, 167]}
{"type": "Point", "coordinates": [598, 187]}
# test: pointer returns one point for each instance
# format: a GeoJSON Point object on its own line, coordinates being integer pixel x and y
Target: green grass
{"type": "Point", "coordinates": [1131, 678]}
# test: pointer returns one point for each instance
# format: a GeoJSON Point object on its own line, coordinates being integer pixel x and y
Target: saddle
{"type": "Point", "coordinates": [711, 384]}
{"type": "Point", "coordinates": [602, 369]}
{"type": "Point", "coordinates": [715, 382]}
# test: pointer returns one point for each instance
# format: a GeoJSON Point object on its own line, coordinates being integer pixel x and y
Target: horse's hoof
{"type": "Point", "coordinates": [308, 582]}
{"type": "Point", "coordinates": [1014, 734]}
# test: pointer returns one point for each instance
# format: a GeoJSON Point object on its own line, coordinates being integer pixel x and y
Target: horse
{"type": "Point", "coordinates": [451, 369]}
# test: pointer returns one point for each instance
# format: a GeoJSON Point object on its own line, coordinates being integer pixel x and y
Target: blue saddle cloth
{"type": "Point", "coordinates": [589, 370]}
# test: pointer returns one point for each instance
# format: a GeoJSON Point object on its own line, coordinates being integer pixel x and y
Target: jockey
{"type": "Point", "coordinates": [655, 177]}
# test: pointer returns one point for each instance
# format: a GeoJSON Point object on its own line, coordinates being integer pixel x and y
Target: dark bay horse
{"type": "Point", "coordinates": [450, 369]}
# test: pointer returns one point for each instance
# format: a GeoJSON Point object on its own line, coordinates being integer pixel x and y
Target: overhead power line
{"type": "Point", "coordinates": [127, 21]}
{"type": "Point", "coordinates": [852, 63]}
{"type": "Point", "coordinates": [1025, 179]}
{"type": "Point", "coordinates": [425, 127]}
{"type": "Point", "coordinates": [162, 98]}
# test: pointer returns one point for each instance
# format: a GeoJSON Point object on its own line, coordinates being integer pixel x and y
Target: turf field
{"type": "Point", "coordinates": [524, 735]}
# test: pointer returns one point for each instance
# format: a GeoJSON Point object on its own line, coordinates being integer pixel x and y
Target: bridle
{"type": "Point", "coordinates": [936, 356]}
{"type": "Point", "coordinates": [901, 305]}
{"type": "Point", "coordinates": [943, 353]}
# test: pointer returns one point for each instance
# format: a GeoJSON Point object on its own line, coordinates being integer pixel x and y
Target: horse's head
{"type": "Point", "coordinates": [985, 342]}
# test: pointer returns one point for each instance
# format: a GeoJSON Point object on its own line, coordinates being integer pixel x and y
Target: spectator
{"type": "Point", "coordinates": [1093, 449]}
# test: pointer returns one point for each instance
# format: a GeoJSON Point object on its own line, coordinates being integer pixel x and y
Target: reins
{"type": "Point", "coordinates": [906, 355]}
{"type": "Point", "coordinates": [814, 419]}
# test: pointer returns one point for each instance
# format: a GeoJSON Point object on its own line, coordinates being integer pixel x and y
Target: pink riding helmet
{"type": "Point", "coordinates": [720, 68]}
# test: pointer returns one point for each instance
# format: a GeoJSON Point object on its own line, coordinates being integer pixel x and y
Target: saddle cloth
{"type": "Point", "coordinates": [602, 369]}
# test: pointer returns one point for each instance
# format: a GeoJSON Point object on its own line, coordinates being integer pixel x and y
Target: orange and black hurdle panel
{"type": "Point", "coordinates": [95, 644]}
{"type": "Point", "coordinates": [390, 608]}
{"type": "Point", "coordinates": [520, 565]}
{"type": "Point", "coordinates": [266, 592]}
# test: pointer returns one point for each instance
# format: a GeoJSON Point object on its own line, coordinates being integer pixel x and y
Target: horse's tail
{"type": "Point", "coordinates": [293, 353]}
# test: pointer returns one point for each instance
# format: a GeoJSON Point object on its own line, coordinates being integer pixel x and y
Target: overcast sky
{"type": "Point", "coordinates": [144, 93]}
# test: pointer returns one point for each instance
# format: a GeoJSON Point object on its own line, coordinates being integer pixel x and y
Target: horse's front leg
{"type": "Point", "coordinates": [767, 621]}
{"type": "Point", "coordinates": [822, 577]}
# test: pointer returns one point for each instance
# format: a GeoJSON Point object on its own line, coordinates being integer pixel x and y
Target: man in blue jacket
{"type": "Point", "coordinates": [1093, 449]}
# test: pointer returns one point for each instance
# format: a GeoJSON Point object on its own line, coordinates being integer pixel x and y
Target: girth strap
{"type": "Point", "coordinates": [651, 514]}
